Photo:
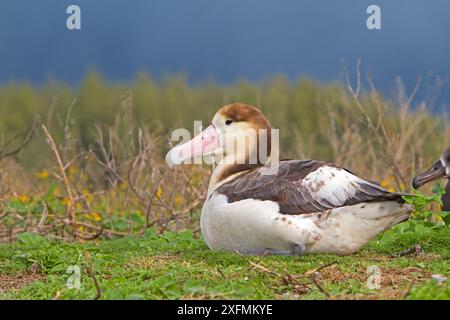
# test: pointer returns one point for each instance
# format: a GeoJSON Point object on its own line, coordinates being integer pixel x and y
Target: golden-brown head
{"type": "Point", "coordinates": [245, 114]}
{"type": "Point", "coordinates": [244, 133]}
{"type": "Point", "coordinates": [239, 138]}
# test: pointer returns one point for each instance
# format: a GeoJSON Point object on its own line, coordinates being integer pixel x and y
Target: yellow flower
{"type": "Point", "coordinates": [87, 195]}
{"type": "Point", "coordinates": [66, 202]}
{"type": "Point", "coordinates": [23, 198]}
{"type": "Point", "coordinates": [159, 192]}
{"type": "Point", "coordinates": [96, 216]}
{"type": "Point", "coordinates": [42, 174]}
{"type": "Point", "coordinates": [384, 183]}
{"type": "Point", "coordinates": [123, 186]}
{"type": "Point", "coordinates": [391, 189]}
{"type": "Point", "coordinates": [178, 200]}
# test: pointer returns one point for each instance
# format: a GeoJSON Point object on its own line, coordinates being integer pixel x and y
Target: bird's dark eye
{"type": "Point", "coordinates": [228, 122]}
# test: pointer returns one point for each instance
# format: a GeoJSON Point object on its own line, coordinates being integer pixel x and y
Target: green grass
{"type": "Point", "coordinates": [176, 266]}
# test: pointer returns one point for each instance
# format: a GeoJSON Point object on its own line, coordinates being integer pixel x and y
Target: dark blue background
{"type": "Point", "coordinates": [227, 40]}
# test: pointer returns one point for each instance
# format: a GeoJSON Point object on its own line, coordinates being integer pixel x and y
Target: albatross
{"type": "Point", "coordinates": [439, 170]}
{"type": "Point", "coordinates": [255, 205]}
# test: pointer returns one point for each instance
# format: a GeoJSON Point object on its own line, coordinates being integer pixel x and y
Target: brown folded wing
{"type": "Point", "coordinates": [305, 186]}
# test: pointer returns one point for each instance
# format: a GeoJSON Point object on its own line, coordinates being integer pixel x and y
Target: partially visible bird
{"type": "Point", "coordinates": [439, 170]}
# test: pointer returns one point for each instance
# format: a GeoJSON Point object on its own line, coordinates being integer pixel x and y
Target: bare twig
{"type": "Point", "coordinates": [315, 272]}
{"type": "Point", "coordinates": [415, 250]}
{"type": "Point", "coordinates": [263, 269]}
{"type": "Point", "coordinates": [222, 274]}
{"type": "Point", "coordinates": [54, 148]}
{"type": "Point", "coordinates": [91, 273]}
{"type": "Point", "coordinates": [29, 133]}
